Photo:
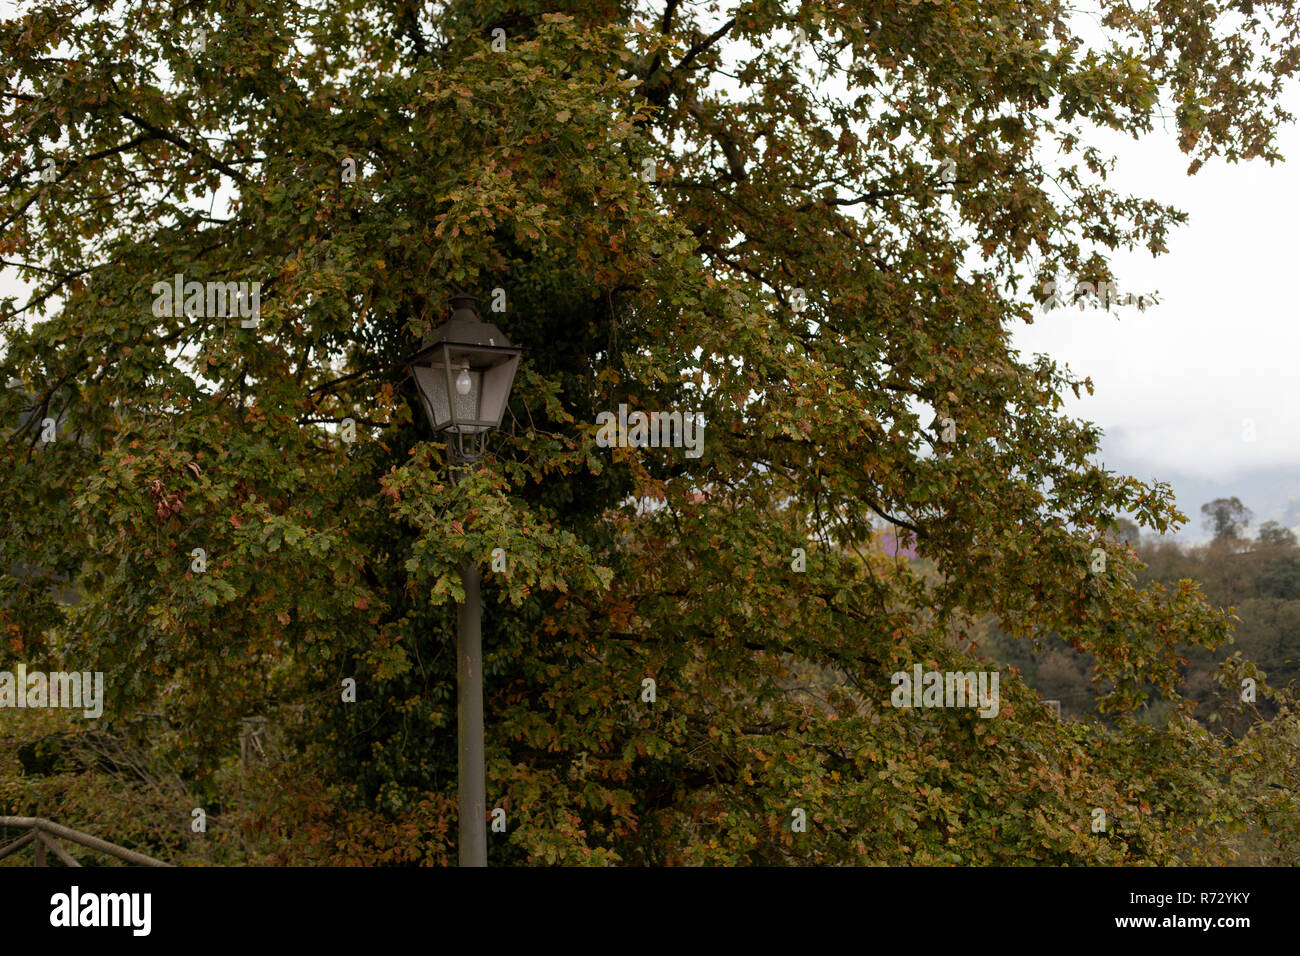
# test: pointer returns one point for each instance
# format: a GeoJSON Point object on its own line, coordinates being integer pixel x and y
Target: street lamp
{"type": "Point", "coordinates": [464, 374]}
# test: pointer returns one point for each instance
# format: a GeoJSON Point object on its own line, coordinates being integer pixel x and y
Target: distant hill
{"type": "Point", "coordinates": [1262, 582]}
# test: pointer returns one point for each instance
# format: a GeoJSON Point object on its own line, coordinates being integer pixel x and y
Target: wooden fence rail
{"type": "Point", "coordinates": [42, 835]}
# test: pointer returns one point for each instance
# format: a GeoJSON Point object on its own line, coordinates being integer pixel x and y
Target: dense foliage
{"type": "Point", "coordinates": [812, 223]}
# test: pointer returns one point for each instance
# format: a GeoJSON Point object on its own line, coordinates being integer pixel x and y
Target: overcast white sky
{"type": "Point", "coordinates": [1175, 384]}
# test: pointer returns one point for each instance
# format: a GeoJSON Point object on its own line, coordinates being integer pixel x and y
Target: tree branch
{"type": "Point", "coordinates": [697, 48]}
{"type": "Point", "coordinates": [187, 146]}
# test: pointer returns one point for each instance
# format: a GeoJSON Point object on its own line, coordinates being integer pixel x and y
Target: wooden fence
{"type": "Point", "coordinates": [44, 835]}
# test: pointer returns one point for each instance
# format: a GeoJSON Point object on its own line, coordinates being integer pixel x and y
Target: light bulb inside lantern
{"type": "Point", "coordinates": [463, 382]}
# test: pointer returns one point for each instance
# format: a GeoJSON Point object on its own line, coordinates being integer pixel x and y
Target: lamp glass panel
{"type": "Point", "coordinates": [466, 407]}
{"type": "Point", "coordinates": [432, 381]}
{"type": "Point", "coordinates": [496, 390]}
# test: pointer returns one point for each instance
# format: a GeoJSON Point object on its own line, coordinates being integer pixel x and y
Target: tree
{"type": "Point", "coordinates": [1274, 535]}
{"type": "Point", "coordinates": [1226, 518]}
{"type": "Point", "coordinates": [1125, 530]}
{"type": "Point", "coordinates": [679, 215]}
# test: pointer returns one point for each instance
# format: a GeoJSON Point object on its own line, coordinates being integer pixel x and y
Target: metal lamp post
{"type": "Point", "coordinates": [464, 374]}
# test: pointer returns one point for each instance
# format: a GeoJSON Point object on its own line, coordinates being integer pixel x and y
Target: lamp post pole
{"type": "Point", "coordinates": [463, 375]}
{"type": "Point", "coordinates": [469, 722]}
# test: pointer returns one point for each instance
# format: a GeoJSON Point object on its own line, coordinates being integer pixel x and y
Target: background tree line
{"type": "Point", "coordinates": [1257, 577]}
